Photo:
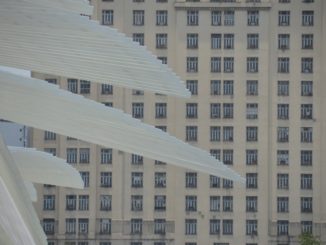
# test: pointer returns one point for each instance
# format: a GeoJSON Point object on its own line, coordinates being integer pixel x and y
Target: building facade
{"type": "Point", "coordinates": [255, 71]}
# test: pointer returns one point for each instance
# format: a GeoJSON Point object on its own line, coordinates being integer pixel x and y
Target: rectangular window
{"type": "Point", "coordinates": [228, 157]}
{"type": "Point", "coordinates": [306, 111]}
{"type": "Point", "coordinates": [307, 65]}
{"type": "Point", "coordinates": [139, 38]}
{"type": "Point", "coordinates": [214, 181]}
{"type": "Point", "coordinates": [227, 184]}
{"type": "Point", "coordinates": [228, 64]}
{"type": "Point", "coordinates": [306, 204]}
{"type": "Point", "coordinates": [72, 85]}
{"type": "Point", "coordinates": [71, 226]}
{"type": "Point", "coordinates": [307, 41]}
{"type": "Point", "coordinates": [229, 18]}
{"type": "Point", "coordinates": [251, 157]}
{"type": "Point", "coordinates": [215, 110]}
{"type": "Point", "coordinates": [163, 59]}
{"type": "Point", "coordinates": [85, 87]}
{"type": "Point", "coordinates": [107, 17]}
{"type": "Point", "coordinates": [191, 203]}
{"type": "Point", "coordinates": [105, 226]}
{"type": "Point", "coordinates": [71, 155]}
{"type": "Point", "coordinates": [191, 133]}
{"type": "Point", "coordinates": [52, 151]}
{"type": "Point", "coordinates": [282, 227]}
{"type": "Point", "coordinates": [252, 180]}
{"type": "Point", "coordinates": [136, 226]}
{"type": "Point", "coordinates": [283, 181]}
{"type": "Point", "coordinates": [137, 180]}
{"type": "Point", "coordinates": [160, 110]}
{"type": "Point", "coordinates": [216, 153]}
{"type": "Point", "coordinates": [252, 64]}
{"type": "Point", "coordinates": [84, 155]}
{"type": "Point", "coordinates": [161, 40]}
{"type": "Point", "coordinates": [252, 134]}
{"type": "Point", "coordinates": [105, 202]}
{"type": "Point", "coordinates": [138, 17]}
{"type": "Point", "coordinates": [228, 87]}
{"type": "Point", "coordinates": [228, 41]}
{"type": "Point", "coordinates": [161, 18]}
{"type": "Point", "coordinates": [191, 110]}
{"type": "Point", "coordinates": [138, 110]}
{"type": "Point", "coordinates": [251, 227]}
{"type": "Point", "coordinates": [306, 226]}
{"type": "Point", "coordinates": [71, 202]}
{"type": "Point", "coordinates": [106, 179]}
{"type": "Point", "coordinates": [227, 110]}
{"type": "Point", "coordinates": [252, 87]}
{"type": "Point", "coordinates": [215, 132]}
{"type": "Point", "coordinates": [82, 226]}
{"type": "Point", "coordinates": [306, 88]}
{"type": "Point", "coordinates": [214, 226]}
{"type": "Point", "coordinates": [283, 65]}
{"type": "Point", "coordinates": [160, 180]}
{"type": "Point", "coordinates": [284, 18]}
{"type": "Point", "coordinates": [192, 86]}
{"type": "Point", "coordinates": [228, 134]}
{"type": "Point", "coordinates": [49, 226]}
{"type": "Point", "coordinates": [107, 89]}
{"type": "Point", "coordinates": [191, 180]}
{"type": "Point", "coordinates": [160, 203]}
{"type": "Point", "coordinates": [159, 226]}
{"type": "Point", "coordinates": [216, 18]}
{"type": "Point", "coordinates": [192, 17]}
{"type": "Point", "coordinates": [282, 134]}
{"type": "Point", "coordinates": [106, 156]}
{"type": "Point", "coordinates": [227, 227]}
{"type": "Point", "coordinates": [215, 203]}
{"type": "Point", "coordinates": [253, 41]}
{"type": "Point", "coordinates": [192, 64]}
{"type": "Point", "coordinates": [49, 202]}
{"type": "Point", "coordinates": [307, 18]}
{"type": "Point", "coordinates": [282, 204]}
{"type": "Point", "coordinates": [306, 181]}
{"type": "Point", "coordinates": [192, 40]}
{"type": "Point", "coordinates": [216, 41]}
{"type": "Point", "coordinates": [83, 203]}
{"type": "Point", "coordinates": [137, 159]}
{"type": "Point", "coordinates": [283, 157]}
{"type": "Point", "coordinates": [191, 226]}
{"type": "Point", "coordinates": [306, 158]}
{"type": "Point", "coordinates": [251, 203]}
{"type": "Point", "coordinates": [306, 135]}
{"type": "Point", "coordinates": [227, 203]}
{"type": "Point", "coordinates": [215, 87]}
{"type": "Point", "coordinates": [252, 111]}
{"type": "Point", "coordinates": [215, 64]}
{"type": "Point", "coordinates": [283, 41]}
{"type": "Point", "coordinates": [50, 135]}
{"type": "Point", "coordinates": [283, 111]}
{"type": "Point", "coordinates": [283, 88]}
{"type": "Point", "coordinates": [136, 203]}
{"type": "Point", "coordinates": [253, 17]}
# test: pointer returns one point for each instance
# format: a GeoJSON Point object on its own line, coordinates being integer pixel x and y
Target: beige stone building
{"type": "Point", "coordinates": [256, 70]}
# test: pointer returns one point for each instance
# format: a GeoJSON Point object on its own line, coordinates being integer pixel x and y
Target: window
{"type": "Point", "coordinates": [282, 204]}
{"type": "Point", "coordinates": [136, 203]}
{"type": "Point", "coordinates": [227, 203]}
{"type": "Point", "coordinates": [136, 226]}
{"type": "Point", "coordinates": [191, 203]}
{"type": "Point", "coordinates": [227, 110]}
{"type": "Point", "coordinates": [138, 110]}
{"type": "Point", "coordinates": [251, 227]}
{"type": "Point", "coordinates": [163, 128]}
{"type": "Point", "coordinates": [307, 41]}
{"type": "Point", "coordinates": [252, 180]}
{"type": "Point", "coordinates": [164, 60]}
{"type": "Point", "coordinates": [215, 87]}
{"type": "Point", "coordinates": [85, 87]}
{"type": "Point", "coordinates": [107, 17]}
{"type": "Point", "coordinates": [252, 64]}
{"type": "Point", "coordinates": [216, 153]}
{"type": "Point", "coordinates": [306, 88]}
{"type": "Point", "coordinates": [228, 87]}
{"type": "Point", "coordinates": [108, 104]}
{"type": "Point", "coordinates": [138, 17]}
{"type": "Point", "coordinates": [105, 226]}
{"type": "Point", "coordinates": [216, 18]}
{"type": "Point", "coordinates": [84, 155]}
{"type": "Point", "coordinates": [253, 17]}
{"type": "Point", "coordinates": [52, 151]}
{"type": "Point", "coordinates": [160, 110]}
{"type": "Point", "coordinates": [71, 202]}
{"type": "Point", "coordinates": [282, 134]}
{"type": "Point", "coordinates": [192, 64]}
{"type": "Point", "coordinates": [48, 202]}
{"type": "Point", "coordinates": [191, 226]}
{"type": "Point", "coordinates": [139, 38]}
{"type": "Point", "coordinates": [83, 202]}
{"type": "Point", "coordinates": [306, 226]}
{"type": "Point", "coordinates": [215, 203]}
{"type": "Point", "coordinates": [282, 157]}
{"type": "Point", "coordinates": [229, 18]}
{"type": "Point", "coordinates": [228, 134]}
{"type": "Point", "coordinates": [136, 159]}
{"type": "Point", "coordinates": [283, 181]}
{"type": "Point", "coordinates": [192, 40]}
{"type": "Point", "coordinates": [49, 135]}
{"type": "Point", "coordinates": [306, 134]}
{"type": "Point", "coordinates": [191, 133]}
{"type": "Point", "coordinates": [283, 111]}
{"type": "Point", "coordinates": [252, 134]}
{"type": "Point", "coordinates": [227, 227]}
{"type": "Point", "coordinates": [105, 203]}
{"type": "Point", "coordinates": [71, 155]}
{"type": "Point", "coordinates": [283, 65]}
{"type": "Point", "coordinates": [106, 179]}
{"type": "Point", "coordinates": [51, 80]}
{"type": "Point", "coordinates": [192, 17]}
{"type": "Point", "coordinates": [192, 86]}
{"type": "Point", "coordinates": [107, 89]}
{"type": "Point", "coordinates": [306, 181]}
{"type": "Point", "coordinates": [306, 111]}
{"type": "Point", "coordinates": [161, 40]}
{"type": "Point", "coordinates": [283, 41]}
{"type": "Point", "coordinates": [284, 1]}
{"type": "Point", "coordinates": [228, 157]}
{"type": "Point", "coordinates": [161, 18]}
{"type": "Point", "coordinates": [306, 158]}
{"type": "Point", "coordinates": [306, 204]}
{"type": "Point", "coordinates": [252, 41]}
{"type": "Point", "coordinates": [137, 179]}
{"type": "Point", "coordinates": [48, 226]}
{"type": "Point", "coordinates": [283, 88]}
{"type": "Point", "coordinates": [191, 180]}
{"type": "Point", "coordinates": [215, 110]}
{"type": "Point", "coordinates": [191, 110]}
{"type": "Point", "coordinates": [161, 1]}
{"type": "Point", "coordinates": [215, 64]}
{"type": "Point", "coordinates": [214, 181]}
{"type": "Point", "coordinates": [137, 92]}
{"type": "Point", "coordinates": [159, 226]}
{"type": "Point", "coordinates": [284, 18]}
{"type": "Point", "coordinates": [228, 41]}
{"type": "Point", "coordinates": [306, 65]}
{"type": "Point", "coordinates": [228, 64]}
{"type": "Point", "coordinates": [251, 203]}
{"type": "Point", "coordinates": [216, 41]}
{"type": "Point", "coordinates": [214, 226]}
{"type": "Point", "coordinates": [251, 157]}
{"type": "Point", "coordinates": [71, 226]}
{"type": "Point", "coordinates": [282, 227]}
{"type": "Point", "coordinates": [83, 226]}
{"type": "Point", "coordinates": [252, 111]}
{"type": "Point", "coordinates": [227, 184]}
{"type": "Point", "coordinates": [160, 180]}
{"type": "Point", "coordinates": [307, 18]}
{"type": "Point", "coordinates": [215, 132]}
{"type": "Point", "coordinates": [252, 87]}
{"type": "Point", "coordinates": [159, 203]}
{"type": "Point", "coordinates": [106, 156]}
{"type": "Point", "coordinates": [72, 85]}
